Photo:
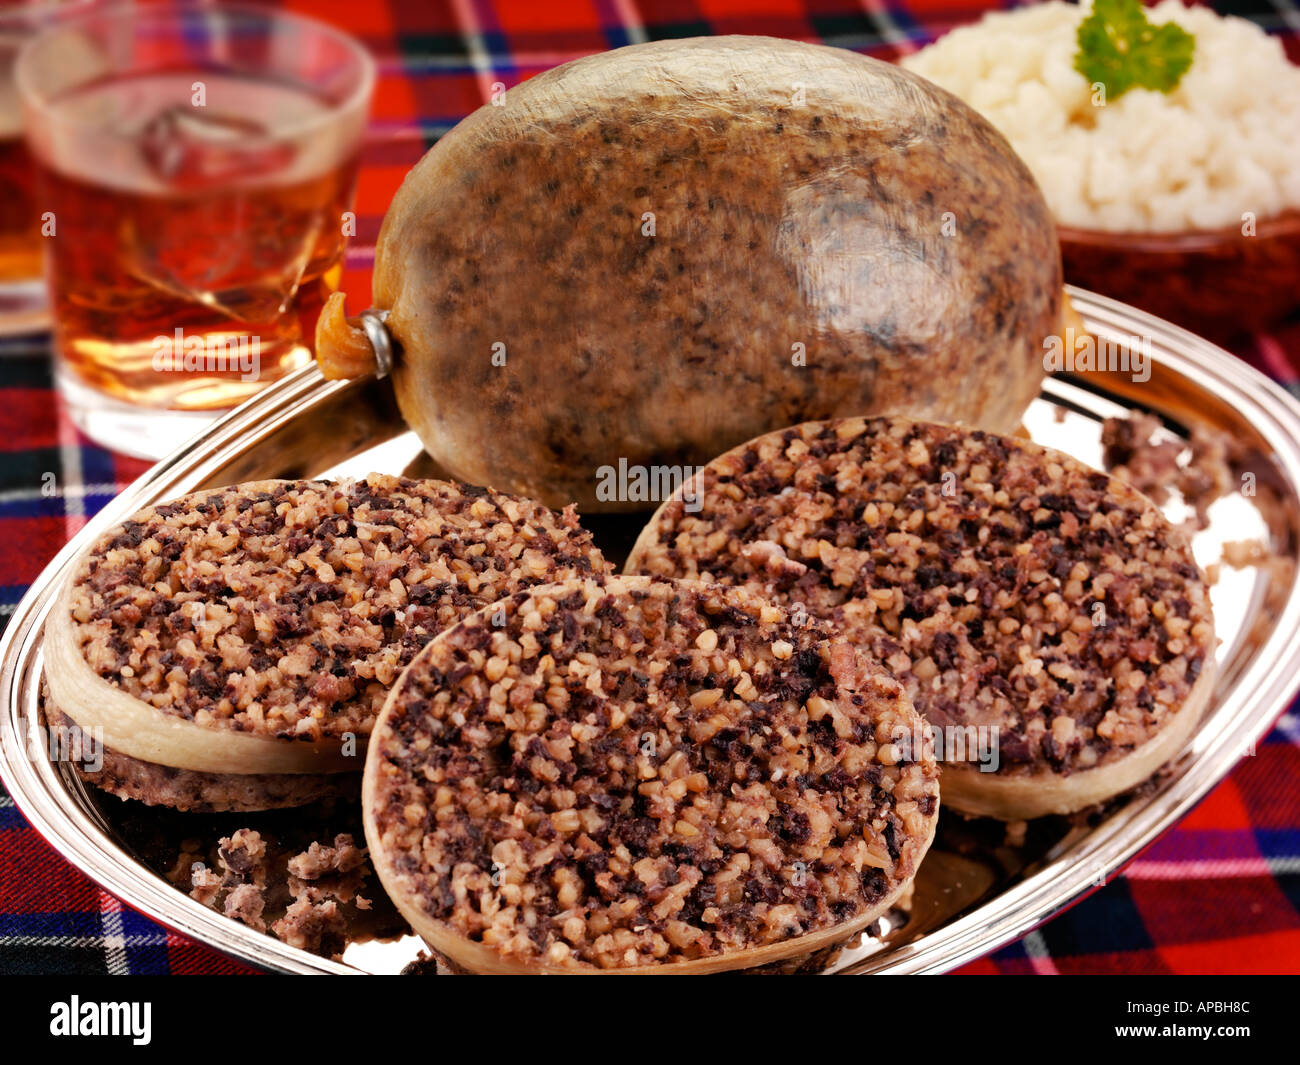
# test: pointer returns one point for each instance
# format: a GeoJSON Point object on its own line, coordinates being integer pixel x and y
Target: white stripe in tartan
{"type": "Point", "coordinates": [472, 34]}
{"type": "Point", "coordinates": [114, 935]}
{"type": "Point", "coordinates": [890, 31]}
{"type": "Point", "coordinates": [1289, 726]}
{"type": "Point", "coordinates": [630, 17]}
{"type": "Point", "coordinates": [1040, 958]}
{"type": "Point", "coordinates": [90, 942]}
{"type": "Point", "coordinates": [74, 514]}
{"type": "Point", "coordinates": [23, 495]}
{"type": "Point", "coordinates": [1289, 14]}
{"type": "Point", "coordinates": [1214, 868]}
{"type": "Point", "coordinates": [416, 130]}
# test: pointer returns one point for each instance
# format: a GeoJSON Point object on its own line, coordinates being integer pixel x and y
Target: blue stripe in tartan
{"type": "Point", "coordinates": [495, 43]}
{"type": "Point", "coordinates": [1279, 843]}
{"type": "Point", "coordinates": [616, 33]}
{"type": "Point", "coordinates": [97, 467]}
{"type": "Point", "coordinates": [1012, 952]}
{"type": "Point", "coordinates": [68, 924]}
{"type": "Point", "coordinates": [1107, 921]}
{"type": "Point", "coordinates": [39, 506]}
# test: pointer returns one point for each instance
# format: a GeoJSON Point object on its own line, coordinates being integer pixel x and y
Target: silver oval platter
{"type": "Point", "coordinates": [979, 888]}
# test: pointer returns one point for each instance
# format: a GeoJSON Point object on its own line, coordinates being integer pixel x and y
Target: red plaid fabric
{"type": "Point", "coordinates": [1218, 894]}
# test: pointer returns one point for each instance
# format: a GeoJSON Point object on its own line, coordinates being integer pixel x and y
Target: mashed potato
{"type": "Point", "coordinates": [1225, 142]}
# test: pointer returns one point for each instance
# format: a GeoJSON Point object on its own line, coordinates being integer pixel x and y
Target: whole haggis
{"type": "Point", "coordinates": [661, 251]}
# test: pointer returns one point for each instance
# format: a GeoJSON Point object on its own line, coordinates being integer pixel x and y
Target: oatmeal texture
{"type": "Point", "coordinates": [1201, 468]}
{"type": "Point", "coordinates": [806, 231]}
{"type": "Point", "coordinates": [200, 792]}
{"type": "Point", "coordinates": [288, 608]}
{"type": "Point", "coordinates": [631, 772]}
{"type": "Point", "coordinates": [1004, 584]}
{"type": "Point", "coordinates": [308, 901]}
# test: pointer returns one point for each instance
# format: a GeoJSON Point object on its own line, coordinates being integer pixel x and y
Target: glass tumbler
{"type": "Point", "coordinates": [196, 169]}
{"type": "Point", "coordinates": [22, 290]}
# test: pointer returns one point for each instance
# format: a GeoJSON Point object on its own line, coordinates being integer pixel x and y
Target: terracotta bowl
{"type": "Point", "coordinates": [1216, 282]}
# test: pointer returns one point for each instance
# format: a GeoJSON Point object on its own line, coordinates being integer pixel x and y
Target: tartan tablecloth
{"type": "Point", "coordinates": [1218, 894]}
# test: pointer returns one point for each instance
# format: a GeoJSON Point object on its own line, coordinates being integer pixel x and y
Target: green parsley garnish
{"type": "Point", "coordinates": [1119, 48]}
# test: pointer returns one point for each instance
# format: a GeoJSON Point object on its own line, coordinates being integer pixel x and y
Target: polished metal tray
{"type": "Point", "coordinates": [978, 888]}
